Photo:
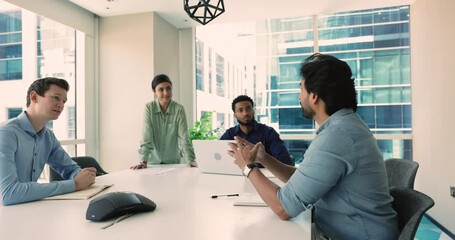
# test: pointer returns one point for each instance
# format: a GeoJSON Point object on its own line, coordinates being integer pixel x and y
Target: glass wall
{"type": "Point", "coordinates": [10, 45]}
{"type": "Point", "coordinates": [199, 67]}
{"type": "Point", "coordinates": [50, 49]}
{"type": "Point", "coordinates": [375, 44]}
{"type": "Point", "coordinates": [14, 112]}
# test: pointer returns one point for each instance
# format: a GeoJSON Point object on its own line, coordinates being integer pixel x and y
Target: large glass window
{"type": "Point", "coordinates": [209, 66]}
{"type": "Point", "coordinates": [71, 122]}
{"type": "Point", "coordinates": [49, 51]}
{"type": "Point", "coordinates": [56, 46]}
{"type": "Point", "coordinates": [14, 112]}
{"type": "Point", "coordinates": [199, 66]}
{"type": "Point", "coordinates": [10, 45]}
{"type": "Point", "coordinates": [375, 44]}
{"type": "Point", "coordinates": [220, 87]}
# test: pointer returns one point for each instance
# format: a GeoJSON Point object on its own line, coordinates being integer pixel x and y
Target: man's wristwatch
{"type": "Point", "coordinates": [247, 169]}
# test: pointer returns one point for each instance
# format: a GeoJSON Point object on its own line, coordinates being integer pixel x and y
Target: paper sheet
{"type": "Point", "coordinates": [250, 199]}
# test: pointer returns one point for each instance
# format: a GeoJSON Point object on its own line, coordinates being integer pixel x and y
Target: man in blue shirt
{"type": "Point", "coordinates": [254, 132]}
{"type": "Point", "coordinates": [342, 175]}
{"type": "Point", "coordinates": [26, 145]}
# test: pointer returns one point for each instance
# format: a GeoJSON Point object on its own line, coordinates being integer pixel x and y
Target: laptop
{"type": "Point", "coordinates": [212, 157]}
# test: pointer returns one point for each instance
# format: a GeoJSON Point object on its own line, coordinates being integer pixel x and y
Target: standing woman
{"type": "Point", "coordinates": [165, 137]}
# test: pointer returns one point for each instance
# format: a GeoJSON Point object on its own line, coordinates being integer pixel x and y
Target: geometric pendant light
{"type": "Point", "coordinates": [202, 11]}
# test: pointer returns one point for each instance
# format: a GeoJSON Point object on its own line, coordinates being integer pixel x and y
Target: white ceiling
{"type": "Point", "coordinates": [235, 10]}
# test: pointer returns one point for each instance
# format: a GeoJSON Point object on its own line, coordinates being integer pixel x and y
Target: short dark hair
{"type": "Point", "coordinates": [241, 98]}
{"type": "Point", "coordinates": [160, 78]}
{"type": "Point", "coordinates": [42, 85]}
{"type": "Point", "coordinates": [331, 80]}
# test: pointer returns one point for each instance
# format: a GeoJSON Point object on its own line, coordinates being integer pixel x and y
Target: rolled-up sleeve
{"type": "Point", "coordinates": [292, 204]}
{"type": "Point", "coordinates": [320, 170]}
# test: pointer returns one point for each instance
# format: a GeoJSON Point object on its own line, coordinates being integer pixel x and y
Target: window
{"type": "Point", "coordinates": [220, 120]}
{"type": "Point", "coordinates": [71, 123]}
{"type": "Point", "coordinates": [56, 58]}
{"type": "Point", "coordinates": [375, 44]}
{"type": "Point", "coordinates": [55, 50]}
{"type": "Point", "coordinates": [14, 112]}
{"type": "Point", "coordinates": [199, 67]}
{"type": "Point", "coordinates": [51, 52]}
{"type": "Point", "coordinates": [209, 60]}
{"type": "Point", "coordinates": [10, 45]}
{"type": "Point", "coordinates": [220, 87]}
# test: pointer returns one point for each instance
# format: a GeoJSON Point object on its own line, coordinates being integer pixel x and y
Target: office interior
{"type": "Point", "coordinates": [123, 52]}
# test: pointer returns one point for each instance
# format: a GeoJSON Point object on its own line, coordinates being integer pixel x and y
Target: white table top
{"type": "Point", "coordinates": [185, 210]}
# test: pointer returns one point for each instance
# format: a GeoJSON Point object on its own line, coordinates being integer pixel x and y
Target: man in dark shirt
{"type": "Point", "coordinates": [255, 132]}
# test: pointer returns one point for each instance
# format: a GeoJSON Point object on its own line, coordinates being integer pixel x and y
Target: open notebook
{"type": "Point", "coordinates": [82, 194]}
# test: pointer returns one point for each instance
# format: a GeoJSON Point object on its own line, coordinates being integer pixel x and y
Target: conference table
{"type": "Point", "coordinates": [185, 210]}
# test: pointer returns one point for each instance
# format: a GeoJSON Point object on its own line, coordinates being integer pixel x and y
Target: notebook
{"type": "Point", "coordinates": [82, 194]}
{"type": "Point", "coordinates": [250, 199]}
{"type": "Point", "coordinates": [212, 157]}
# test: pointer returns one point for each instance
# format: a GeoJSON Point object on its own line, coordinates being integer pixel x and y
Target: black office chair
{"type": "Point", "coordinates": [83, 162]}
{"type": "Point", "coordinates": [401, 172]}
{"type": "Point", "coordinates": [410, 206]}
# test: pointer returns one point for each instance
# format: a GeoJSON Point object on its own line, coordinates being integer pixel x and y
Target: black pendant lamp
{"type": "Point", "coordinates": [203, 11]}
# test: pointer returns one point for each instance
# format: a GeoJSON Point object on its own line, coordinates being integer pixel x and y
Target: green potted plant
{"type": "Point", "coordinates": [202, 129]}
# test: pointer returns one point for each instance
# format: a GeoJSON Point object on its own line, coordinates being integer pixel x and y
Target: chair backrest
{"type": "Point", "coordinates": [410, 206]}
{"type": "Point", "coordinates": [401, 172]}
{"type": "Point", "coordinates": [83, 162]}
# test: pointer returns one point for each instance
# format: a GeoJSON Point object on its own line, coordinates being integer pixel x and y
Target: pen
{"type": "Point", "coordinates": [226, 195]}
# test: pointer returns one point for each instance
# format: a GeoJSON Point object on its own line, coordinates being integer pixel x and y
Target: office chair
{"type": "Point", "coordinates": [83, 162]}
{"type": "Point", "coordinates": [410, 206]}
{"type": "Point", "coordinates": [401, 172]}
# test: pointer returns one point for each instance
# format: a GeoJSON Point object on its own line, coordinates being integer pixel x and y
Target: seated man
{"type": "Point", "coordinates": [343, 175]}
{"type": "Point", "coordinates": [255, 132]}
{"type": "Point", "coordinates": [26, 145]}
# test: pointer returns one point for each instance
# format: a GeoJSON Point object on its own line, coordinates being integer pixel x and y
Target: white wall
{"type": "Point", "coordinates": [89, 72]}
{"type": "Point", "coordinates": [188, 73]}
{"type": "Point", "coordinates": [433, 101]}
{"type": "Point", "coordinates": [166, 53]}
{"type": "Point", "coordinates": [173, 54]}
{"type": "Point", "coordinates": [132, 50]}
{"type": "Point", "coordinates": [126, 67]}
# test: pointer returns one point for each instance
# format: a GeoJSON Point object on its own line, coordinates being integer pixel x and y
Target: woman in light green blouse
{"type": "Point", "coordinates": [165, 137]}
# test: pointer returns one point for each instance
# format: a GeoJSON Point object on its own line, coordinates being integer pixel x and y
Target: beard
{"type": "Point", "coordinates": [307, 112]}
{"type": "Point", "coordinates": [248, 123]}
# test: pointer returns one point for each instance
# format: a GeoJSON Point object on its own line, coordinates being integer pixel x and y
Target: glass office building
{"type": "Point", "coordinates": [375, 43]}
{"type": "Point", "coordinates": [10, 45]}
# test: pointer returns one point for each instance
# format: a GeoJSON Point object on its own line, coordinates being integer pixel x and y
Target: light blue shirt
{"type": "Point", "coordinates": [344, 177]}
{"type": "Point", "coordinates": [23, 154]}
